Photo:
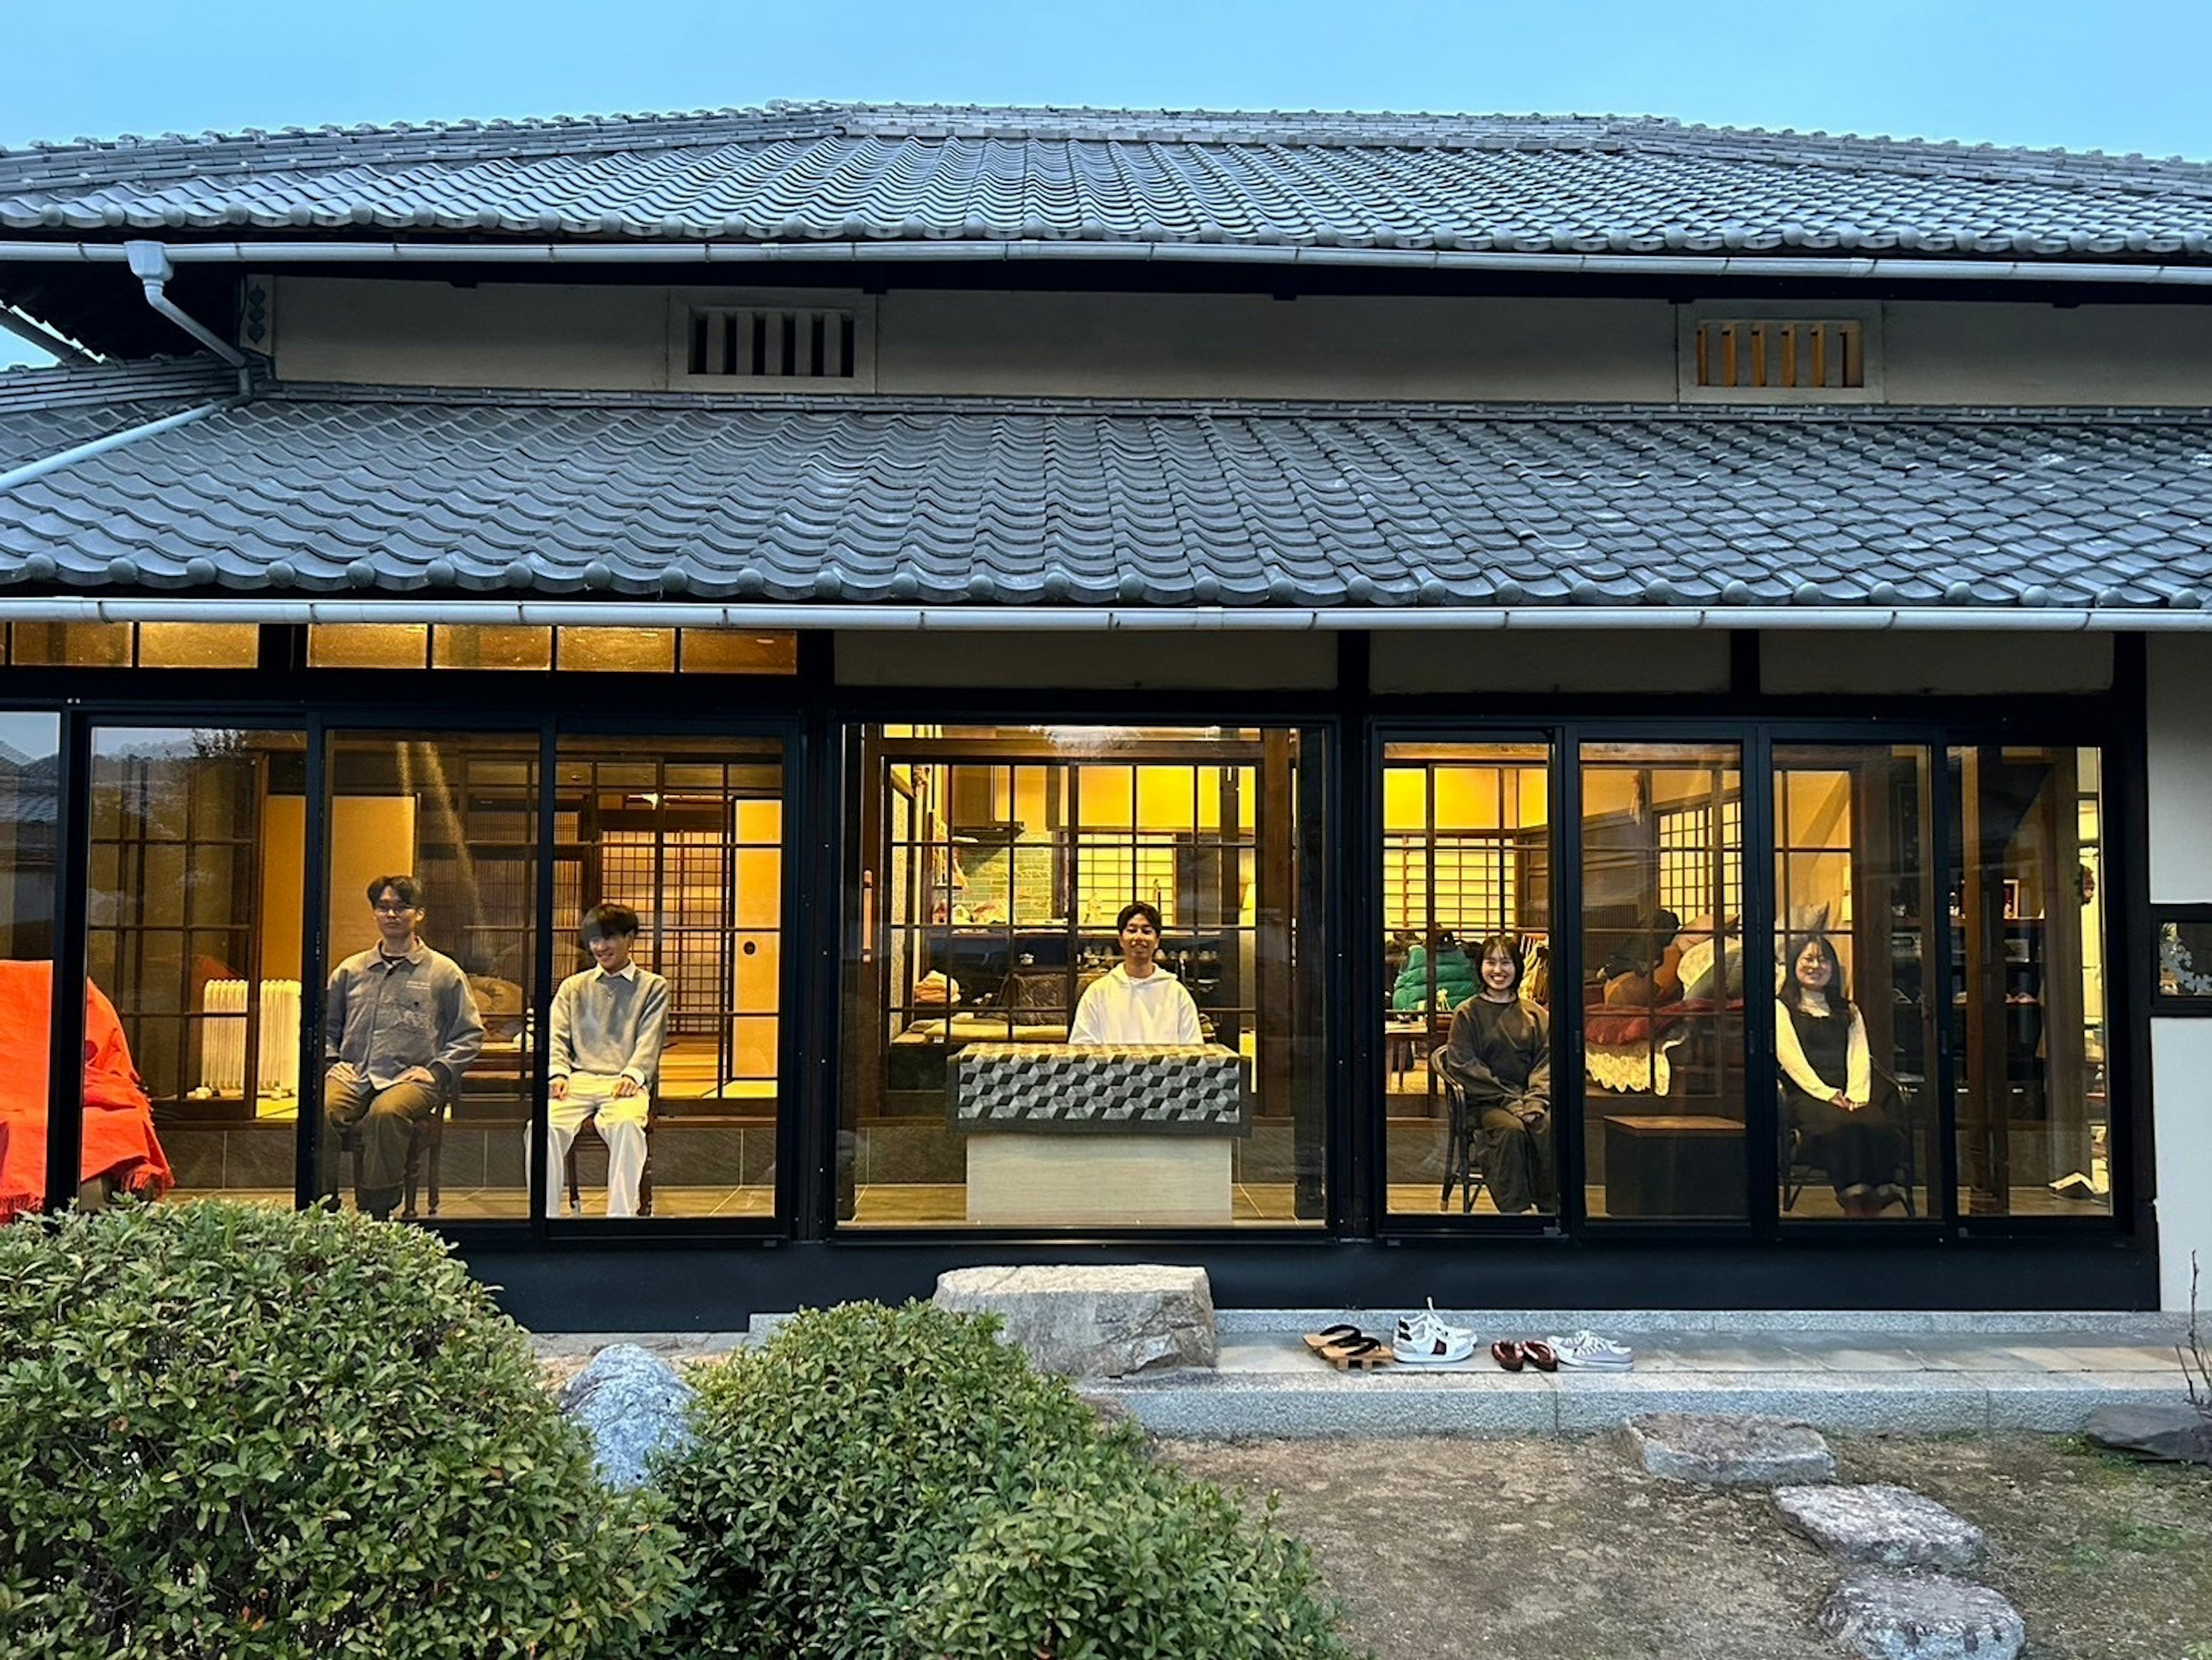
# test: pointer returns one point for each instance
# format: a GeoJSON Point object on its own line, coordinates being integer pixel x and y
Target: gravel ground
{"type": "Point", "coordinates": [1557, 1549]}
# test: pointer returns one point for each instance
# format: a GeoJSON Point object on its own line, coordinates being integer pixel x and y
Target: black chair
{"type": "Point", "coordinates": [1462, 1167]}
{"type": "Point", "coordinates": [644, 1175]}
{"type": "Point", "coordinates": [1799, 1163]}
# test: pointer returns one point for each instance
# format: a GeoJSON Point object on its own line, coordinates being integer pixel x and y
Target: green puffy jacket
{"type": "Point", "coordinates": [1456, 979]}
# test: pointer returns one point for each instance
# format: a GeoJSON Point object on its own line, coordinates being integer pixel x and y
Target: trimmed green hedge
{"type": "Point", "coordinates": [237, 1432]}
{"type": "Point", "coordinates": [896, 1482]}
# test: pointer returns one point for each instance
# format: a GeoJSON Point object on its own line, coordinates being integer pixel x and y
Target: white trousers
{"type": "Point", "coordinates": [621, 1125]}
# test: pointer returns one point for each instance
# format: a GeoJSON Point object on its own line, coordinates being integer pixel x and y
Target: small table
{"type": "Point", "coordinates": [1674, 1166]}
{"type": "Point", "coordinates": [1402, 1042]}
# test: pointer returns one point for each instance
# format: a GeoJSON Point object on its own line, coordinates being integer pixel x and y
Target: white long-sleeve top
{"type": "Point", "coordinates": [1858, 1082]}
{"type": "Point", "coordinates": [1155, 1010]}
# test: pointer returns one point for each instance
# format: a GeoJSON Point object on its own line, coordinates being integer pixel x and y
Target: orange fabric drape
{"type": "Point", "coordinates": [118, 1120]}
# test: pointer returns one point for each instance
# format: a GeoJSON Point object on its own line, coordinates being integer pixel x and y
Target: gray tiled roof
{"type": "Point", "coordinates": [961, 501]}
{"type": "Point", "coordinates": [861, 173]}
{"type": "Point", "coordinates": [46, 411]}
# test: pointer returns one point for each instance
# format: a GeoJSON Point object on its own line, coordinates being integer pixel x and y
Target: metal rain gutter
{"type": "Point", "coordinates": [1850, 268]}
{"type": "Point", "coordinates": [114, 441]}
{"type": "Point", "coordinates": [1072, 619]}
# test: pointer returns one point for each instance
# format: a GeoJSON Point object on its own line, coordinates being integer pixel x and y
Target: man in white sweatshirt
{"type": "Point", "coordinates": [1139, 1003]}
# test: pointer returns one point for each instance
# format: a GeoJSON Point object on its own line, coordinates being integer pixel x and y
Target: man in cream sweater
{"type": "Point", "coordinates": [609, 1023]}
{"type": "Point", "coordinates": [1139, 1003]}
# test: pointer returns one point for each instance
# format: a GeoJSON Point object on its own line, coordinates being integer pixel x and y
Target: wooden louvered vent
{"type": "Point", "coordinates": [1778, 354]}
{"type": "Point", "coordinates": [772, 344]}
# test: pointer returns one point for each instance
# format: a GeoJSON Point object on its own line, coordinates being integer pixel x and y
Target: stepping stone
{"type": "Point", "coordinates": [1093, 1322]}
{"type": "Point", "coordinates": [1891, 1527]}
{"type": "Point", "coordinates": [1898, 1616]}
{"type": "Point", "coordinates": [2178, 1434]}
{"type": "Point", "coordinates": [1735, 1452]}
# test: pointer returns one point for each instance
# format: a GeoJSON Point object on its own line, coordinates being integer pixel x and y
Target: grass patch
{"type": "Point", "coordinates": [2146, 1538]}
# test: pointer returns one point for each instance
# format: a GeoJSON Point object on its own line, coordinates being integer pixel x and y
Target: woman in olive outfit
{"type": "Point", "coordinates": [1499, 1054]}
{"type": "Point", "coordinates": [1827, 1083]}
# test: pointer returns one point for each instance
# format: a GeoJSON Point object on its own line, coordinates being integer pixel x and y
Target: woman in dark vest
{"type": "Point", "coordinates": [1827, 1083]}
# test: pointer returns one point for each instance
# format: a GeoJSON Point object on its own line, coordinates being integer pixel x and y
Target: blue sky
{"type": "Point", "coordinates": [2120, 75]}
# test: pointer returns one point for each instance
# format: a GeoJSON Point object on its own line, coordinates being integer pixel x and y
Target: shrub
{"type": "Point", "coordinates": [241, 1432]}
{"type": "Point", "coordinates": [1158, 1566]}
{"type": "Point", "coordinates": [851, 1484]}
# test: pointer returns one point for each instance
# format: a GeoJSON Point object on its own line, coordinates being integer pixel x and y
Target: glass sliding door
{"type": "Point", "coordinates": [2028, 1031]}
{"type": "Point", "coordinates": [429, 1050]}
{"type": "Point", "coordinates": [1856, 997]}
{"type": "Point", "coordinates": [1087, 992]}
{"type": "Point", "coordinates": [192, 945]}
{"type": "Point", "coordinates": [1467, 881]}
{"type": "Point", "coordinates": [1663, 1004]}
{"type": "Point", "coordinates": [666, 1103]}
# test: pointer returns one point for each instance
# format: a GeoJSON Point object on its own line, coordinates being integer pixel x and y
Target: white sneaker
{"type": "Point", "coordinates": [1586, 1351]}
{"type": "Point", "coordinates": [1424, 1342]}
{"type": "Point", "coordinates": [1435, 1322]}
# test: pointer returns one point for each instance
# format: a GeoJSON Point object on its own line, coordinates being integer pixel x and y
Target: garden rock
{"type": "Point", "coordinates": [2176, 1434]}
{"type": "Point", "coordinates": [1890, 1527]}
{"type": "Point", "coordinates": [1745, 1451]}
{"type": "Point", "coordinates": [634, 1405]}
{"type": "Point", "coordinates": [1093, 1322]}
{"type": "Point", "coordinates": [1897, 1617]}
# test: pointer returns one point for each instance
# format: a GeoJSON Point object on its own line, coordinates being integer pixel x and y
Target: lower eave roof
{"type": "Point", "coordinates": [968, 502]}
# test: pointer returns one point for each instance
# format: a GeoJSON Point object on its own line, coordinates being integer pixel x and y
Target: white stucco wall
{"type": "Point", "coordinates": [2180, 757]}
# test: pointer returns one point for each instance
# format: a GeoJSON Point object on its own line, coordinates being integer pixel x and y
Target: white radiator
{"type": "Point", "coordinates": [222, 1045]}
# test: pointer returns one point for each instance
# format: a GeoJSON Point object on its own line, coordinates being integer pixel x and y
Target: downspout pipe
{"type": "Point", "coordinates": [151, 263]}
{"type": "Point", "coordinates": [114, 441]}
{"type": "Point", "coordinates": [1845, 267]}
{"type": "Point", "coordinates": [1072, 619]}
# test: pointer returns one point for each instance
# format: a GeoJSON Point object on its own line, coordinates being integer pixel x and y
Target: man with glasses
{"type": "Point", "coordinates": [400, 1027]}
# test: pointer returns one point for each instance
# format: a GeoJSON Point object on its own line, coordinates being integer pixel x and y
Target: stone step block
{"type": "Point", "coordinates": [1890, 1527]}
{"type": "Point", "coordinates": [1881, 1615]}
{"type": "Point", "coordinates": [1086, 1322]}
{"type": "Point", "coordinates": [1730, 1451]}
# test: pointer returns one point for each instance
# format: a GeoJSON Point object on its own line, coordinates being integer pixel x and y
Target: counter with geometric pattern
{"type": "Point", "coordinates": [1195, 1089]}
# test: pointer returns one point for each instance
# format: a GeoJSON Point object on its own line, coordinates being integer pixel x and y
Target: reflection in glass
{"type": "Point", "coordinates": [2027, 951]}
{"type": "Point", "coordinates": [1663, 1004]}
{"type": "Point", "coordinates": [459, 816]}
{"type": "Point", "coordinates": [688, 835]}
{"type": "Point", "coordinates": [993, 865]}
{"type": "Point", "coordinates": [1467, 857]}
{"type": "Point", "coordinates": [192, 949]}
{"type": "Point", "coordinates": [1854, 894]}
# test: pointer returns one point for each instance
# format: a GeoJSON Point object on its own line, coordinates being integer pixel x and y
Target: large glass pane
{"type": "Point", "coordinates": [30, 762]}
{"type": "Point", "coordinates": [2027, 993]}
{"type": "Point", "coordinates": [432, 927]}
{"type": "Point", "coordinates": [1854, 1022]}
{"type": "Point", "coordinates": [1467, 882]}
{"type": "Point", "coordinates": [994, 870]}
{"type": "Point", "coordinates": [1663, 998]}
{"type": "Point", "coordinates": [192, 946]}
{"type": "Point", "coordinates": [670, 853]}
